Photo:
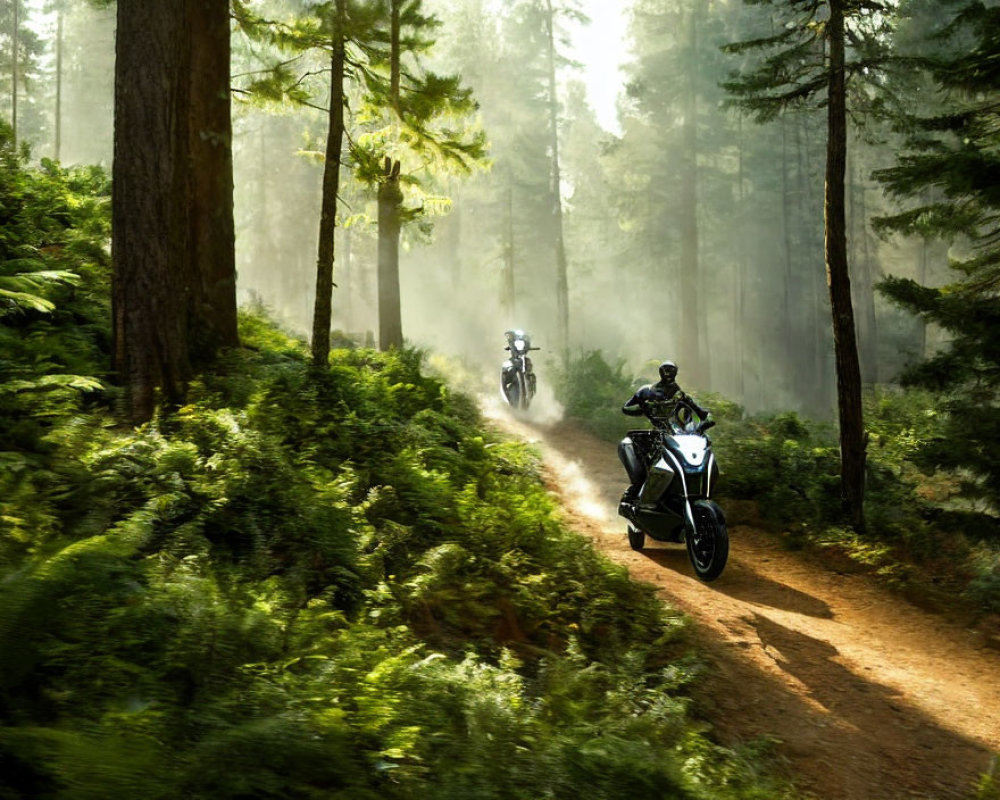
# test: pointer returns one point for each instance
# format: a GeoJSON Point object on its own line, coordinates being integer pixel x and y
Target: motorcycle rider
{"type": "Point", "coordinates": [513, 336]}
{"type": "Point", "coordinates": [663, 391]}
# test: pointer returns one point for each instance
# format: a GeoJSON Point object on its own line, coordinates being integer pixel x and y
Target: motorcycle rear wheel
{"type": "Point", "coordinates": [636, 538]}
{"type": "Point", "coordinates": [708, 543]}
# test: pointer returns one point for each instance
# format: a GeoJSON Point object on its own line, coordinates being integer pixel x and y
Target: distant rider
{"type": "Point", "coordinates": [665, 390]}
{"type": "Point", "coordinates": [518, 345]}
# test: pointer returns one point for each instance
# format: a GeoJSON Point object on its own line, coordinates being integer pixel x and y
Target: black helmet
{"type": "Point", "coordinates": [668, 371]}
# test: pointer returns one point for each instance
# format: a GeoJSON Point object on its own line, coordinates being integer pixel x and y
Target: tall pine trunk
{"type": "Point", "coordinates": [693, 356]}
{"type": "Point", "coordinates": [390, 201]}
{"type": "Point", "coordinates": [149, 213]}
{"type": "Point", "coordinates": [739, 284]}
{"type": "Point", "coordinates": [59, 82]}
{"type": "Point", "coordinates": [390, 198]}
{"type": "Point", "coordinates": [562, 277]}
{"type": "Point", "coordinates": [210, 181]}
{"type": "Point", "coordinates": [323, 311]}
{"type": "Point", "coordinates": [15, 38]}
{"type": "Point", "coordinates": [173, 278]}
{"type": "Point", "coordinates": [852, 436]}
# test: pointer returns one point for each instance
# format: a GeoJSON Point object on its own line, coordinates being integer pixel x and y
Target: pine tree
{"type": "Point", "coordinates": [322, 312]}
{"type": "Point", "coordinates": [418, 109]}
{"type": "Point", "coordinates": [952, 170]}
{"type": "Point", "coordinates": [820, 45]}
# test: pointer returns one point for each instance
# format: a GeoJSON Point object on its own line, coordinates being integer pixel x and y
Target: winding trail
{"type": "Point", "coordinates": [870, 697]}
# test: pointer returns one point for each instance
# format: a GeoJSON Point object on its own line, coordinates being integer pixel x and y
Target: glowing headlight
{"type": "Point", "coordinates": [519, 345]}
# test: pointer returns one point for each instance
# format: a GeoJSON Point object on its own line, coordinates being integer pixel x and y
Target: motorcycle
{"type": "Point", "coordinates": [677, 474]}
{"type": "Point", "coordinates": [517, 376]}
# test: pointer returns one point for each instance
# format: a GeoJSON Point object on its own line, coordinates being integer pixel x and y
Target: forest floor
{"type": "Point", "coordinates": [869, 697]}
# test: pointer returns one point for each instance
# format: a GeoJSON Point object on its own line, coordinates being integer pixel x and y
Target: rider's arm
{"type": "Point", "coordinates": [703, 413]}
{"type": "Point", "coordinates": [634, 407]}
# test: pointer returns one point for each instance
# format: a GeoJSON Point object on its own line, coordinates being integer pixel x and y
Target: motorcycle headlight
{"type": "Point", "coordinates": [519, 345]}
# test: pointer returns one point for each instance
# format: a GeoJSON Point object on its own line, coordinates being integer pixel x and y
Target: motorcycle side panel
{"type": "Point", "coordinates": [661, 475]}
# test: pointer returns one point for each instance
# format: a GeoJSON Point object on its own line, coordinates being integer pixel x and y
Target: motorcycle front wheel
{"type": "Point", "coordinates": [522, 393]}
{"type": "Point", "coordinates": [708, 543]}
{"type": "Point", "coordinates": [512, 393]}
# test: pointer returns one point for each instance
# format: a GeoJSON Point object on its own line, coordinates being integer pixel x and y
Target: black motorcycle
{"type": "Point", "coordinates": [517, 376]}
{"type": "Point", "coordinates": [676, 469]}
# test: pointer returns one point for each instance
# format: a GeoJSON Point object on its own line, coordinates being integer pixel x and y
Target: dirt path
{"type": "Point", "coordinates": [871, 698]}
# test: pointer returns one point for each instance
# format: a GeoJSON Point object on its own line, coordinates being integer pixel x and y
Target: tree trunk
{"type": "Point", "coordinates": [210, 182]}
{"type": "Point", "coordinates": [820, 398]}
{"type": "Point", "coordinates": [59, 79]}
{"type": "Point", "coordinates": [793, 347]}
{"type": "Point", "coordinates": [348, 281]}
{"type": "Point", "coordinates": [322, 312]}
{"type": "Point", "coordinates": [15, 38]}
{"type": "Point", "coordinates": [173, 277]}
{"type": "Point", "coordinates": [390, 198]}
{"type": "Point", "coordinates": [149, 213]}
{"type": "Point", "coordinates": [562, 278]}
{"type": "Point", "coordinates": [852, 436]}
{"type": "Point", "coordinates": [693, 359]}
{"type": "Point", "coordinates": [739, 287]}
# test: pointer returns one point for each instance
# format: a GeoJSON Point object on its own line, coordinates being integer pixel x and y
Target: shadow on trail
{"type": "Point", "coordinates": [742, 583]}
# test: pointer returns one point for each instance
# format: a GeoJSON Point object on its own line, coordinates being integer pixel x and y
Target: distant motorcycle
{"type": "Point", "coordinates": [677, 478]}
{"type": "Point", "coordinates": [517, 376]}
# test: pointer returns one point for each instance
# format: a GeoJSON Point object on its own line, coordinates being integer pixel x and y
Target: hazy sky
{"type": "Point", "coordinates": [601, 47]}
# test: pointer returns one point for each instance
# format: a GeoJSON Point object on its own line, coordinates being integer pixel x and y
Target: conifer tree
{"type": "Point", "coordinates": [421, 114]}
{"type": "Point", "coordinates": [322, 312]}
{"type": "Point", "coordinates": [805, 62]}
{"type": "Point", "coordinates": [949, 176]}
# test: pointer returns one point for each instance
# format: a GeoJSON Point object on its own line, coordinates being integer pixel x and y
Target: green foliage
{"type": "Point", "coordinates": [947, 177]}
{"type": "Point", "coordinates": [607, 388]}
{"type": "Point", "coordinates": [328, 583]}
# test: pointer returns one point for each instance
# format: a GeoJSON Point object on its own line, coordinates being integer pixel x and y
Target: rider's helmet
{"type": "Point", "coordinates": [668, 371]}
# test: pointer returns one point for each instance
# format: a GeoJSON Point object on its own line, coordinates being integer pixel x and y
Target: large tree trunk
{"type": "Point", "coordinates": [390, 198]}
{"type": "Point", "coordinates": [149, 213]}
{"type": "Point", "coordinates": [852, 436]}
{"type": "Point", "coordinates": [693, 357]}
{"type": "Point", "coordinates": [210, 182]}
{"type": "Point", "coordinates": [173, 281]}
{"type": "Point", "coordinates": [15, 38]}
{"type": "Point", "coordinates": [322, 312]}
{"type": "Point", "coordinates": [562, 278]}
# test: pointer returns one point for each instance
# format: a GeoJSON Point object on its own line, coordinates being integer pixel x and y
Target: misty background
{"type": "Point", "coordinates": [653, 165]}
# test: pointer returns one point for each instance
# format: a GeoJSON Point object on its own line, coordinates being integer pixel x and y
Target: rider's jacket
{"type": "Point", "coordinates": [659, 393]}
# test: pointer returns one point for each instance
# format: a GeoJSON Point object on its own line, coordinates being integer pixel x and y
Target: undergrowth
{"type": "Point", "coordinates": [304, 583]}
